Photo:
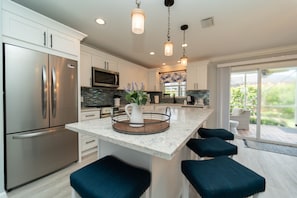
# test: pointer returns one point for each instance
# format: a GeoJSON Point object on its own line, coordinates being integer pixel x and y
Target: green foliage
{"type": "Point", "coordinates": [135, 94]}
{"type": "Point", "coordinates": [278, 103]}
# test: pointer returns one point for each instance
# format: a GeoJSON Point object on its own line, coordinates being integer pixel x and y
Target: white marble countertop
{"type": "Point", "coordinates": [184, 122]}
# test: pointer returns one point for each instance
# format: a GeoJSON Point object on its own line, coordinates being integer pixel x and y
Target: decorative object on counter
{"type": "Point", "coordinates": [136, 96]}
{"type": "Point", "coordinates": [116, 100]}
{"type": "Point", "coordinates": [135, 117]}
{"type": "Point", "coordinates": [152, 123]}
{"type": "Point", "coordinates": [156, 99]}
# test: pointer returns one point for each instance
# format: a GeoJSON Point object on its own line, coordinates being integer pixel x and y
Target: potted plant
{"type": "Point", "coordinates": [136, 96]}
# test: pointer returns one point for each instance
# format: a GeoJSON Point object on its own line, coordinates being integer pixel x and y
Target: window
{"type": "Point", "coordinates": [175, 88]}
{"type": "Point", "coordinates": [174, 83]}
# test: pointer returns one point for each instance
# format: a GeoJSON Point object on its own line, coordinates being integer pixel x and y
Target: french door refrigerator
{"type": "Point", "coordinates": [40, 96]}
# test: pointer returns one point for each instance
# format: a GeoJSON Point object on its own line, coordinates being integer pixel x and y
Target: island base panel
{"type": "Point", "coordinates": [167, 179]}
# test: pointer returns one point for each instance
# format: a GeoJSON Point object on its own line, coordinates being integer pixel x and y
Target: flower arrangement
{"type": "Point", "coordinates": [135, 94]}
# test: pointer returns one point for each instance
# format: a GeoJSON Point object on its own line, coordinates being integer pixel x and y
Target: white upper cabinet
{"type": "Point", "coordinates": [62, 42]}
{"type": "Point", "coordinates": [104, 63]}
{"type": "Point", "coordinates": [154, 80]}
{"type": "Point", "coordinates": [25, 30]}
{"type": "Point", "coordinates": [90, 57]}
{"type": "Point", "coordinates": [30, 29]}
{"type": "Point", "coordinates": [197, 75]}
{"type": "Point", "coordinates": [130, 72]}
{"type": "Point", "coordinates": [85, 69]}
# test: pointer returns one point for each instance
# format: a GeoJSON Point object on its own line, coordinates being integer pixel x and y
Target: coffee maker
{"type": "Point", "coordinates": [190, 100]}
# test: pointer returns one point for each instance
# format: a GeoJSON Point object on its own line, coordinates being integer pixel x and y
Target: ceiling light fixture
{"type": "Point", "coordinates": [168, 45]}
{"type": "Point", "coordinates": [100, 21]}
{"type": "Point", "coordinates": [184, 58]}
{"type": "Point", "coordinates": [137, 15]}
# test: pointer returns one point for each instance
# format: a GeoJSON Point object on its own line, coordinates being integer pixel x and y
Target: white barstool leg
{"type": "Point", "coordinates": [74, 194]}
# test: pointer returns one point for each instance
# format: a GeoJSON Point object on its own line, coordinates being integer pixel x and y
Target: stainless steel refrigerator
{"type": "Point", "coordinates": [40, 96]}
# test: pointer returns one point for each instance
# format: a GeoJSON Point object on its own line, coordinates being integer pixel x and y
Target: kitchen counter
{"type": "Point", "coordinates": [159, 153]}
{"type": "Point", "coordinates": [184, 122]}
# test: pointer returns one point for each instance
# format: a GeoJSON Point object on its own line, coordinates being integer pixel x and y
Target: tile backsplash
{"type": "Point", "coordinates": [104, 96]}
{"type": "Point", "coordinates": [100, 96]}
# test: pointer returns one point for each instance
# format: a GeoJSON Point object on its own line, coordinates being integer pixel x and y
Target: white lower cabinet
{"type": "Point", "coordinates": [88, 144]}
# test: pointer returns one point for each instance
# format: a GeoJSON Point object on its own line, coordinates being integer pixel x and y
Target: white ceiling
{"type": "Point", "coordinates": [240, 26]}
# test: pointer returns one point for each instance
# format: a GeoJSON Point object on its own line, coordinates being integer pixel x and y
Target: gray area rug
{"type": "Point", "coordinates": [287, 150]}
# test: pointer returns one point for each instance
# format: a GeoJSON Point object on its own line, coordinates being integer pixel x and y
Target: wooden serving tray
{"type": "Point", "coordinates": [150, 126]}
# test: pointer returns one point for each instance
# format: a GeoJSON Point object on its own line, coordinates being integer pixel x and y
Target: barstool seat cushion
{"type": "Point", "coordinates": [222, 177]}
{"type": "Point", "coordinates": [110, 177]}
{"type": "Point", "coordinates": [220, 133]}
{"type": "Point", "coordinates": [211, 147]}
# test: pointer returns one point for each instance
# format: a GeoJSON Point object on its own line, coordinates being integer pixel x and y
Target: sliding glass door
{"type": "Point", "coordinates": [270, 97]}
{"type": "Point", "coordinates": [243, 102]}
{"type": "Point", "coordinates": [278, 105]}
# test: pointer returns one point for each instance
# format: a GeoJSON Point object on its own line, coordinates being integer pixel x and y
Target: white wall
{"type": "Point", "coordinates": [212, 87]}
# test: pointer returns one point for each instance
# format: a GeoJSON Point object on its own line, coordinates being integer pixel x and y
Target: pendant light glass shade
{"type": "Point", "coordinates": [138, 16]}
{"type": "Point", "coordinates": [184, 60]}
{"type": "Point", "coordinates": [168, 48]}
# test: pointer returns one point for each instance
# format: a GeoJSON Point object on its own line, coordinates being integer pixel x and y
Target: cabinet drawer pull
{"type": "Point", "coordinates": [91, 141]}
{"type": "Point", "coordinates": [90, 115]}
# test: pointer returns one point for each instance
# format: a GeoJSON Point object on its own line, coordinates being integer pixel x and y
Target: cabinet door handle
{"type": "Point", "coordinates": [91, 141]}
{"type": "Point", "coordinates": [44, 38]}
{"type": "Point", "coordinates": [51, 37]}
{"type": "Point", "coordinates": [44, 91]}
{"type": "Point", "coordinates": [54, 92]}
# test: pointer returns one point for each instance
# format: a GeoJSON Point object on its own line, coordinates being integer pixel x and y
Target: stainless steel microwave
{"type": "Point", "coordinates": [104, 78]}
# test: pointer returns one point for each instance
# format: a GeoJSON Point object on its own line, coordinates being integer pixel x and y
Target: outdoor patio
{"type": "Point", "coordinates": [272, 133]}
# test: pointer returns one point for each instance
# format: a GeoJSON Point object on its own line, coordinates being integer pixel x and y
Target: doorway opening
{"type": "Point", "coordinates": [264, 103]}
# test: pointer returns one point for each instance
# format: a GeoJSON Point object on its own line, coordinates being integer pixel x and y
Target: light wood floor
{"type": "Point", "coordinates": [272, 133]}
{"type": "Point", "coordinates": [279, 170]}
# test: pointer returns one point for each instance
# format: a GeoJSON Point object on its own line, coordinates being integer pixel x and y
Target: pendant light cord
{"type": "Point", "coordinates": [137, 3]}
{"type": "Point", "coordinates": [168, 33]}
{"type": "Point", "coordinates": [184, 47]}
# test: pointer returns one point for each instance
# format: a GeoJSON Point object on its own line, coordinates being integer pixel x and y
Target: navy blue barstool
{"type": "Point", "coordinates": [222, 177]}
{"type": "Point", "coordinates": [212, 147]}
{"type": "Point", "coordinates": [110, 177]}
{"type": "Point", "coordinates": [220, 133]}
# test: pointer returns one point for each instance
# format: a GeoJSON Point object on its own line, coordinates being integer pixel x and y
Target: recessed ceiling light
{"type": "Point", "coordinates": [178, 61]}
{"type": "Point", "coordinates": [185, 45]}
{"type": "Point", "coordinates": [100, 21]}
{"type": "Point", "coordinates": [152, 53]}
{"type": "Point", "coordinates": [163, 63]}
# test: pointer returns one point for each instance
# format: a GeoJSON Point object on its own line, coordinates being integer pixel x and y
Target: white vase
{"type": "Point", "coordinates": [134, 113]}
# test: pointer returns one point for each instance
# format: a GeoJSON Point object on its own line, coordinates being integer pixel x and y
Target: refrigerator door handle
{"type": "Point", "coordinates": [54, 92]}
{"type": "Point", "coordinates": [35, 134]}
{"type": "Point", "coordinates": [44, 92]}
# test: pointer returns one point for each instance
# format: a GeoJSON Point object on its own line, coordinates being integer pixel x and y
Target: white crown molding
{"type": "Point", "coordinates": [273, 53]}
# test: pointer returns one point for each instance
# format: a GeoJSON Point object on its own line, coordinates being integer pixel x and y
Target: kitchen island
{"type": "Point", "coordinates": [159, 153]}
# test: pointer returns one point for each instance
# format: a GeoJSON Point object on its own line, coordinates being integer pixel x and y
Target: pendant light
{"type": "Point", "coordinates": [168, 45]}
{"type": "Point", "coordinates": [137, 16]}
{"type": "Point", "coordinates": [184, 58]}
